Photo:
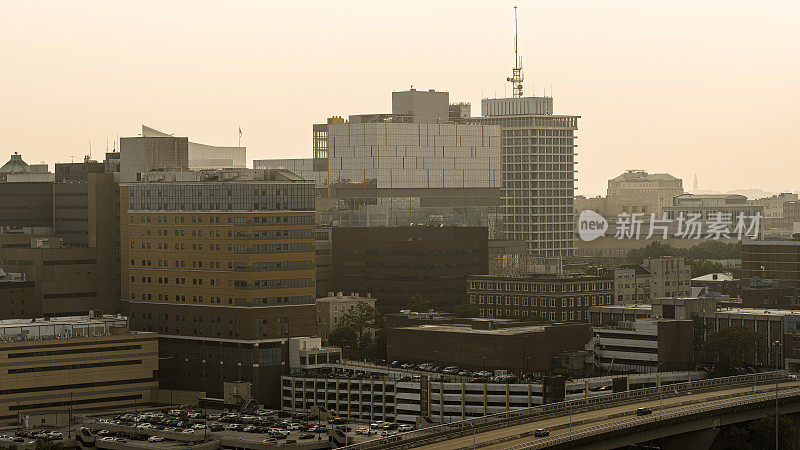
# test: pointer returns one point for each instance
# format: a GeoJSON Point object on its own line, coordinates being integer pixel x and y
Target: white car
{"type": "Point", "coordinates": [362, 431]}
{"type": "Point", "coordinates": [378, 424]}
{"type": "Point", "coordinates": [404, 428]}
{"type": "Point", "coordinates": [199, 426]}
{"type": "Point", "coordinates": [155, 439]}
{"type": "Point", "coordinates": [293, 426]}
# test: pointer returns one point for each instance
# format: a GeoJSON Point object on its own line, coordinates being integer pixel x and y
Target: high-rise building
{"type": "Point", "coordinates": [409, 167]}
{"type": "Point", "coordinates": [221, 264]}
{"type": "Point", "coordinates": [60, 234]}
{"type": "Point", "coordinates": [538, 172]}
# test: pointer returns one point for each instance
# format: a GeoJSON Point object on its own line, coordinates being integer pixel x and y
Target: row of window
{"type": "Point", "coordinates": [540, 287]}
{"type": "Point", "coordinates": [565, 302]}
{"type": "Point", "coordinates": [544, 315]}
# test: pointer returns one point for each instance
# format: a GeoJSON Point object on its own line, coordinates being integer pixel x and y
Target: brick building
{"type": "Point", "coordinates": [17, 297]}
{"type": "Point", "coordinates": [536, 297]}
{"type": "Point", "coordinates": [484, 345]}
{"type": "Point", "coordinates": [395, 263]}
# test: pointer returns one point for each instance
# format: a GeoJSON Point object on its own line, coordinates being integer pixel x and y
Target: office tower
{"type": "Point", "coordinates": [60, 234]}
{"type": "Point", "coordinates": [538, 172]}
{"type": "Point", "coordinates": [412, 166]}
{"type": "Point", "coordinates": [221, 264]}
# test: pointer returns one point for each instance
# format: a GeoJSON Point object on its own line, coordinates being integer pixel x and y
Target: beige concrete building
{"type": "Point", "coordinates": [636, 188]}
{"type": "Point", "coordinates": [330, 310]}
{"type": "Point", "coordinates": [708, 206]}
{"type": "Point", "coordinates": [75, 363]}
{"type": "Point", "coordinates": [669, 277]}
{"type": "Point", "coordinates": [773, 205]}
{"type": "Point", "coordinates": [631, 284]}
{"type": "Point", "coordinates": [664, 277]}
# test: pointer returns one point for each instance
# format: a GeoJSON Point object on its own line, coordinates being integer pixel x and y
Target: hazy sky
{"type": "Point", "coordinates": [685, 87]}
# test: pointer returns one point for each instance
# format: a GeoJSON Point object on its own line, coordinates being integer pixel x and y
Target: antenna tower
{"type": "Point", "coordinates": [516, 74]}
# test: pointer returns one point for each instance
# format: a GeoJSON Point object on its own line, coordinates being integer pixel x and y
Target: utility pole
{"type": "Point", "coordinates": [777, 345]}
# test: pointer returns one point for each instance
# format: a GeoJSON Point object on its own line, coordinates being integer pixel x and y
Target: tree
{"type": "Point", "coordinates": [757, 434]}
{"type": "Point", "coordinates": [417, 304]}
{"type": "Point", "coordinates": [466, 310]}
{"type": "Point", "coordinates": [732, 347]}
{"type": "Point", "coordinates": [46, 444]}
{"type": "Point", "coordinates": [698, 338]}
{"type": "Point", "coordinates": [705, 250]}
{"type": "Point", "coordinates": [762, 432]}
{"type": "Point", "coordinates": [354, 331]}
{"type": "Point", "coordinates": [702, 267]}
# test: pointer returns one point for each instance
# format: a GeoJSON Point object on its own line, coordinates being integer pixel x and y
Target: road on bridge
{"type": "Point", "coordinates": [505, 436]}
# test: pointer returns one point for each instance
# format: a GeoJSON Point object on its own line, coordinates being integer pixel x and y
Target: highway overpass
{"type": "Point", "coordinates": [609, 421]}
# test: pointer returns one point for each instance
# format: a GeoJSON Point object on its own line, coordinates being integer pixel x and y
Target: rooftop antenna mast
{"type": "Point", "coordinates": [516, 74]}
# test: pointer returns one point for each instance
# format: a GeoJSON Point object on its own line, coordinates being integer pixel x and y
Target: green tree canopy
{"type": "Point", "coordinates": [733, 347]}
{"type": "Point", "coordinates": [707, 249]}
{"type": "Point", "coordinates": [466, 310]}
{"type": "Point", "coordinates": [417, 304]}
{"type": "Point", "coordinates": [354, 330]}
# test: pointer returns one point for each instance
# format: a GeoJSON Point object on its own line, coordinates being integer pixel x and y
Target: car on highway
{"type": "Point", "coordinates": [155, 439]}
{"type": "Point", "coordinates": [643, 411]}
{"type": "Point", "coordinates": [541, 432]}
{"type": "Point", "coordinates": [404, 428]}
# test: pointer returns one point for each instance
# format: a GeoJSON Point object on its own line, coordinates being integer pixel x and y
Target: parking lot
{"type": "Point", "coordinates": [171, 427]}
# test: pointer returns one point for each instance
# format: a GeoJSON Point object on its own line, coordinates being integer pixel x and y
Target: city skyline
{"type": "Point", "coordinates": [687, 85]}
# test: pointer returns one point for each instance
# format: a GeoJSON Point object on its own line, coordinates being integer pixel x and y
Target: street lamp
{"type": "Point", "coordinates": [777, 345]}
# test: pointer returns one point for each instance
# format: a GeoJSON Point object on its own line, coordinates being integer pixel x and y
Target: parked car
{"type": "Point", "coordinates": [405, 428]}
{"type": "Point", "coordinates": [306, 436]}
{"type": "Point", "coordinates": [452, 370]}
{"type": "Point", "coordinates": [155, 439]}
{"type": "Point", "coordinates": [541, 432]}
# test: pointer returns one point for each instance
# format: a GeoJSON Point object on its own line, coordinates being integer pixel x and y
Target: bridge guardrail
{"type": "Point", "coordinates": [465, 427]}
{"type": "Point", "coordinates": [634, 421]}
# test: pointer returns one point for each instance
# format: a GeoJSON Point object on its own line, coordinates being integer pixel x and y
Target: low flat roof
{"type": "Point", "coordinates": [467, 329]}
{"type": "Point", "coordinates": [754, 312]}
